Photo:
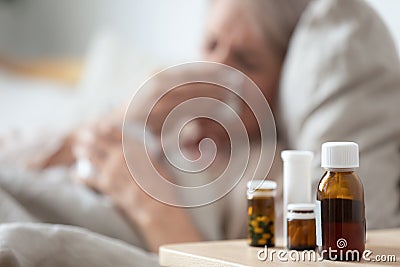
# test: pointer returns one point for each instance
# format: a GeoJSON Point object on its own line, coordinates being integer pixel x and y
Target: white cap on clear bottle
{"type": "Point", "coordinates": [339, 155]}
{"type": "Point", "coordinates": [261, 188]}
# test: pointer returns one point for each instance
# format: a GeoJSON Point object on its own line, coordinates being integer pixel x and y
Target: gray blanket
{"type": "Point", "coordinates": [34, 211]}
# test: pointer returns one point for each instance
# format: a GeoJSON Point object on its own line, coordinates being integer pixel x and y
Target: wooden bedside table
{"type": "Point", "coordinates": [237, 253]}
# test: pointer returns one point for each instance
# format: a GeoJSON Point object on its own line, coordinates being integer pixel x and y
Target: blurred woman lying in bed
{"type": "Point", "coordinates": [236, 35]}
{"type": "Point", "coordinates": [330, 64]}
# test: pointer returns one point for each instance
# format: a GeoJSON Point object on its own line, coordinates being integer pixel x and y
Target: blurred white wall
{"type": "Point", "coordinates": [169, 30]}
{"type": "Point", "coordinates": [389, 11]}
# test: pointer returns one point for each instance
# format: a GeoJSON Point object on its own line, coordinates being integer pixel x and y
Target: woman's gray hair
{"type": "Point", "coordinates": [278, 20]}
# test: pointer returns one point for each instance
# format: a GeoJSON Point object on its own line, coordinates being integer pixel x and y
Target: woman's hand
{"type": "Point", "coordinates": [159, 223]}
{"type": "Point", "coordinates": [61, 156]}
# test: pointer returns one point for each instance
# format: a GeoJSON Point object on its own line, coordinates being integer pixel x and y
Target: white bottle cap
{"type": "Point", "coordinates": [297, 155]}
{"type": "Point", "coordinates": [300, 211]}
{"type": "Point", "coordinates": [261, 188]}
{"type": "Point", "coordinates": [261, 185]}
{"type": "Point", "coordinates": [301, 207]}
{"type": "Point", "coordinates": [340, 155]}
{"type": "Point", "coordinates": [296, 176]}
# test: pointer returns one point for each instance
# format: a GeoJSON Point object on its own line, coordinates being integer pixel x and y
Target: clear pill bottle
{"type": "Point", "coordinates": [261, 212]}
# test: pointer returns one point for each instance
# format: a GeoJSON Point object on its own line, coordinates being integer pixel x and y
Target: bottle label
{"type": "Point", "coordinates": [318, 223]}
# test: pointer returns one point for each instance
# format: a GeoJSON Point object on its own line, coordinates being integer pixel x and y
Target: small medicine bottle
{"type": "Point", "coordinates": [301, 226]}
{"type": "Point", "coordinates": [261, 212]}
{"type": "Point", "coordinates": [340, 208]}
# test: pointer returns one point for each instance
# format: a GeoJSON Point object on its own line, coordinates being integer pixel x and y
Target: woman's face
{"type": "Point", "coordinates": [233, 38]}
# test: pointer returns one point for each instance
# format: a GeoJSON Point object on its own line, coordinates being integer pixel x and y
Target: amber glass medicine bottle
{"type": "Point", "coordinates": [301, 226]}
{"type": "Point", "coordinates": [340, 209]}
